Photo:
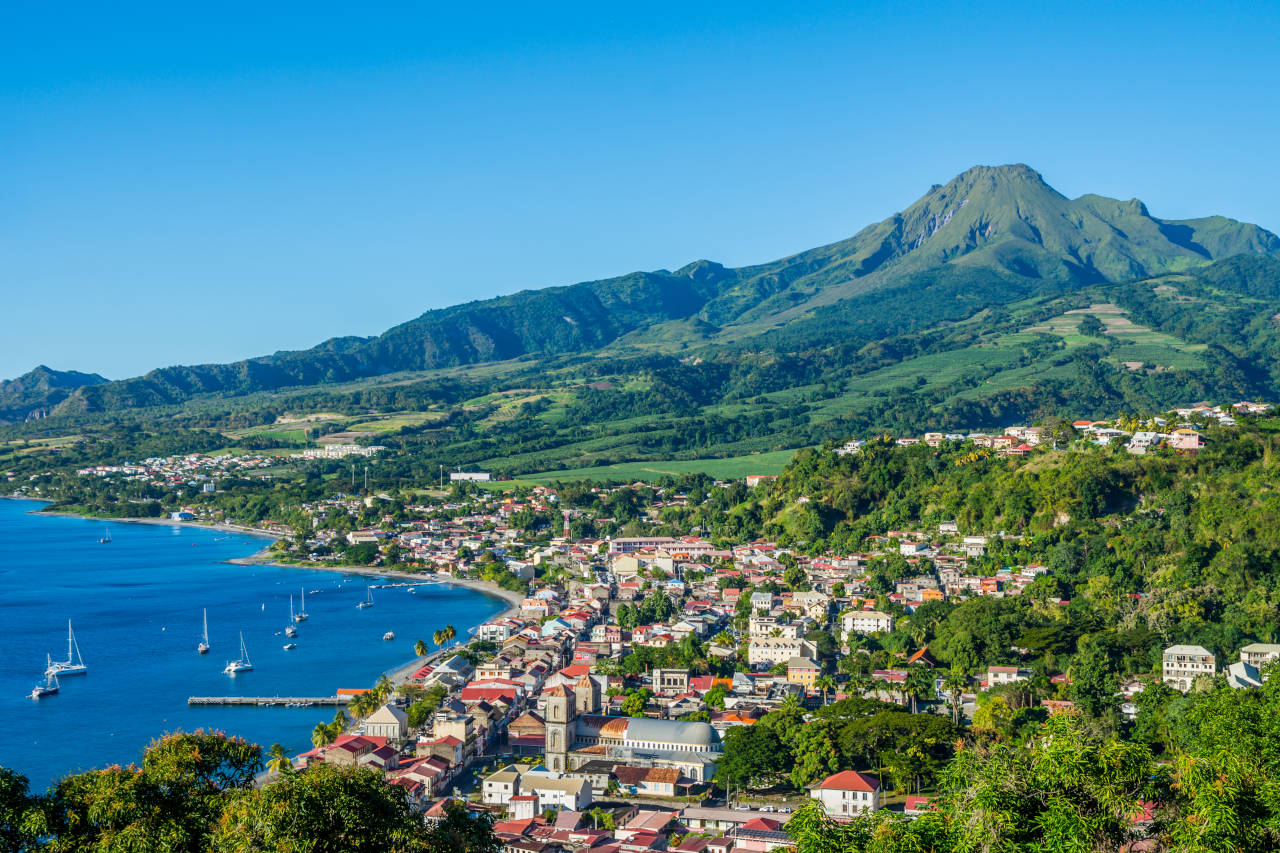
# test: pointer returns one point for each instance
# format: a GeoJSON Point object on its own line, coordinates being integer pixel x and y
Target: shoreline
{"type": "Point", "coordinates": [398, 674]}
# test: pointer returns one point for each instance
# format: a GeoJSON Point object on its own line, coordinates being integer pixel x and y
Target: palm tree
{"type": "Point", "coordinates": [438, 638]}
{"type": "Point", "coordinates": [954, 683]}
{"type": "Point", "coordinates": [920, 684]}
{"type": "Point", "coordinates": [825, 683]}
{"type": "Point", "coordinates": [278, 759]}
{"type": "Point", "coordinates": [383, 689]}
{"type": "Point", "coordinates": [791, 703]}
{"type": "Point", "coordinates": [420, 649]}
{"type": "Point", "coordinates": [340, 720]}
{"type": "Point", "coordinates": [449, 633]}
{"type": "Point", "coordinates": [320, 735]}
{"type": "Point", "coordinates": [859, 683]}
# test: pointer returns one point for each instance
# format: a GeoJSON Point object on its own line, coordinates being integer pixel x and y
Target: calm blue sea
{"type": "Point", "coordinates": [136, 607]}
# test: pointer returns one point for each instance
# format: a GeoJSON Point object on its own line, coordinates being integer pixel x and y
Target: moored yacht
{"type": "Point", "coordinates": [241, 665]}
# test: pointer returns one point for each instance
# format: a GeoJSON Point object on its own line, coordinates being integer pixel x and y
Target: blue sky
{"type": "Point", "coordinates": [187, 185]}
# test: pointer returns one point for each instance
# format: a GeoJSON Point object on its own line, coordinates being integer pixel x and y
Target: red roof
{"type": "Point", "coordinates": [849, 780]}
{"type": "Point", "coordinates": [765, 823]}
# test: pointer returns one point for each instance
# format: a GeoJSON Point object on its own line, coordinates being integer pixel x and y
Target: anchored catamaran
{"type": "Point", "coordinates": [74, 664]}
{"type": "Point", "coordinates": [368, 601]}
{"type": "Point", "coordinates": [241, 665]}
{"type": "Point", "coordinates": [301, 615]}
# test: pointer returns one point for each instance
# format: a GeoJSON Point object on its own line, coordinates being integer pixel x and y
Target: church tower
{"type": "Point", "coordinates": [562, 713]}
{"type": "Point", "coordinates": [588, 693]}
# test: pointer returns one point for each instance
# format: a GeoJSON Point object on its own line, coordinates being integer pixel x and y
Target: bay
{"type": "Point", "coordinates": [136, 607]}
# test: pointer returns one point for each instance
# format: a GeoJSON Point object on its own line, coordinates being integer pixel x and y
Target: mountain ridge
{"type": "Point", "coordinates": [990, 234]}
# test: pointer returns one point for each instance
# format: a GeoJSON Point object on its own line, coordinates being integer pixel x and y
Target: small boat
{"type": "Point", "coordinates": [203, 646]}
{"type": "Point", "coordinates": [241, 665]}
{"type": "Point", "coordinates": [49, 687]}
{"type": "Point", "coordinates": [288, 647]}
{"type": "Point", "coordinates": [289, 630]}
{"type": "Point", "coordinates": [368, 601]}
{"type": "Point", "coordinates": [390, 635]}
{"type": "Point", "coordinates": [105, 538]}
{"type": "Point", "coordinates": [74, 664]}
{"type": "Point", "coordinates": [301, 615]}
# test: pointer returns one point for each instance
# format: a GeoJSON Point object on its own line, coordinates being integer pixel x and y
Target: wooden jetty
{"type": "Point", "coordinates": [262, 701]}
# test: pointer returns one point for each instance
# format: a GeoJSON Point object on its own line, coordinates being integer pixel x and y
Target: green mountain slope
{"type": "Point", "coordinates": [35, 393]}
{"type": "Point", "coordinates": [990, 236]}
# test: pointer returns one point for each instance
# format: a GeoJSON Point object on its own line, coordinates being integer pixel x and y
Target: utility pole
{"type": "Point", "coordinates": [366, 479]}
{"type": "Point", "coordinates": [353, 477]}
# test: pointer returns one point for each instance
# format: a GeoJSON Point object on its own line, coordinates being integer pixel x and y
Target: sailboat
{"type": "Point", "coordinates": [241, 665]}
{"type": "Point", "coordinates": [203, 647]}
{"type": "Point", "coordinates": [289, 630]}
{"type": "Point", "coordinates": [49, 687]}
{"type": "Point", "coordinates": [74, 664]}
{"type": "Point", "coordinates": [105, 538]}
{"type": "Point", "coordinates": [368, 601]}
{"type": "Point", "coordinates": [301, 615]}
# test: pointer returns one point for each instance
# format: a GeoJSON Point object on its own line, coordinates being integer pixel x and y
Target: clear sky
{"type": "Point", "coordinates": [187, 183]}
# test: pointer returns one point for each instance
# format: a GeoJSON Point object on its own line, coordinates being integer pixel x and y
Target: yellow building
{"type": "Point", "coordinates": [803, 671]}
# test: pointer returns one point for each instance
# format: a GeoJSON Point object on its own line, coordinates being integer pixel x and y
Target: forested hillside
{"type": "Point", "coordinates": [991, 237]}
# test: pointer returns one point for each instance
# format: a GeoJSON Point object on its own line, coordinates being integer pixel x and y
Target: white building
{"type": "Point", "coordinates": [1256, 654]}
{"type": "Point", "coordinates": [389, 721]}
{"type": "Point", "coordinates": [866, 622]}
{"type": "Point", "coordinates": [848, 793]}
{"type": "Point", "coordinates": [557, 792]}
{"type": "Point", "coordinates": [1183, 664]}
{"type": "Point", "coordinates": [470, 477]}
{"type": "Point", "coordinates": [500, 787]}
{"type": "Point", "coordinates": [774, 650]}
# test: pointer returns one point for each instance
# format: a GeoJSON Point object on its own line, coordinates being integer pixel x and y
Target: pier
{"type": "Point", "coordinates": [262, 701]}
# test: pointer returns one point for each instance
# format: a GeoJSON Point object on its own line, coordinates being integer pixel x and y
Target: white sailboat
{"type": "Point", "coordinates": [241, 665]}
{"type": "Point", "coordinates": [301, 615]}
{"type": "Point", "coordinates": [289, 630]}
{"type": "Point", "coordinates": [74, 664]}
{"type": "Point", "coordinates": [203, 647]}
{"type": "Point", "coordinates": [368, 601]}
{"type": "Point", "coordinates": [49, 687]}
{"type": "Point", "coordinates": [106, 535]}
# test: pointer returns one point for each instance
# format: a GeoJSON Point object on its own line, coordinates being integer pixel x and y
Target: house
{"type": "Point", "coordinates": [1186, 440]}
{"type": "Point", "coordinates": [848, 793]}
{"type": "Point", "coordinates": [389, 721]}
{"type": "Point", "coordinates": [670, 681]}
{"type": "Point", "coordinates": [648, 781]}
{"type": "Point", "coordinates": [498, 788]}
{"type": "Point", "coordinates": [997, 675]}
{"type": "Point", "coordinates": [775, 650]}
{"type": "Point", "coordinates": [1181, 665]}
{"type": "Point", "coordinates": [803, 671]}
{"type": "Point", "coordinates": [866, 622]}
{"type": "Point", "coordinates": [1257, 654]}
{"type": "Point", "coordinates": [557, 792]}
{"type": "Point", "coordinates": [1241, 675]}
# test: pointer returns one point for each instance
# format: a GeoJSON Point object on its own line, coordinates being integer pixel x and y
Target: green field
{"type": "Point", "coordinates": [729, 468]}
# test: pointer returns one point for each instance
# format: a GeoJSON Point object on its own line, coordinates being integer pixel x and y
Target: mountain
{"type": "Point", "coordinates": [33, 394]}
{"type": "Point", "coordinates": [989, 236]}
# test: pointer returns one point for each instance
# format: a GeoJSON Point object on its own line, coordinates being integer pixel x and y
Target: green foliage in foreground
{"type": "Point", "coordinates": [194, 794]}
{"type": "Point", "coordinates": [1068, 789]}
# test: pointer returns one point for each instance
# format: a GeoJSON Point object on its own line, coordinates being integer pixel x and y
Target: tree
{"type": "Point", "coordinates": [20, 820]}
{"type": "Point", "coordinates": [420, 648]}
{"type": "Point", "coordinates": [171, 803]}
{"type": "Point", "coordinates": [636, 702]}
{"type": "Point", "coordinates": [920, 684]}
{"type": "Point", "coordinates": [826, 683]}
{"type": "Point", "coordinates": [449, 633]}
{"type": "Point", "coordinates": [753, 757]}
{"type": "Point", "coordinates": [278, 759]}
{"type": "Point", "coordinates": [954, 683]}
{"type": "Point", "coordinates": [326, 808]}
{"type": "Point", "coordinates": [321, 735]}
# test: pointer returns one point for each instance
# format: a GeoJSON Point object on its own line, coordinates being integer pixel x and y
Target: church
{"type": "Point", "coordinates": [577, 733]}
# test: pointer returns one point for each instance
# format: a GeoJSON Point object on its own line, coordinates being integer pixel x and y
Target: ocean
{"type": "Point", "coordinates": [136, 604]}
